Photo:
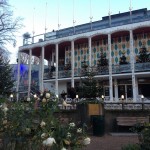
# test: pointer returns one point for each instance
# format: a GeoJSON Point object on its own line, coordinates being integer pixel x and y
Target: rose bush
{"type": "Point", "coordinates": [34, 125]}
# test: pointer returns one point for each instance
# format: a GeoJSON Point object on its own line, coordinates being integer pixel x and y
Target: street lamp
{"type": "Point", "coordinates": [122, 98]}
{"type": "Point", "coordinates": [11, 97]}
{"type": "Point", "coordinates": [77, 96]}
{"type": "Point", "coordinates": [102, 97]}
{"type": "Point", "coordinates": [142, 97]}
{"type": "Point", "coordinates": [35, 96]}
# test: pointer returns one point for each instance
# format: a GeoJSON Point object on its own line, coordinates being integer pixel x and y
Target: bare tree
{"type": "Point", "coordinates": [4, 54]}
{"type": "Point", "coordinates": [25, 59]}
{"type": "Point", "coordinates": [36, 60]}
{"type": "Point", "coordinates": [8, 25]}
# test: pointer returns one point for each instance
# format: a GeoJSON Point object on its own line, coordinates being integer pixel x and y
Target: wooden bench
{"type": "Point", "coordinates": [131, 121]}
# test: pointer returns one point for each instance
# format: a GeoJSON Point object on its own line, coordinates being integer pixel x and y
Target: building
{"type": "Point", "coordinates": [23, 81]}
{"type": "Point", "coordinates": [123, 39]}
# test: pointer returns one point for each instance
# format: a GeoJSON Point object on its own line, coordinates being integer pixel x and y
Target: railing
{"type": "Point", "coordinates": [127, 106]}
{"type": "Point", "coordinates": [117, 69]}
{"type": "Point", "coordinates": [64, 74]}
{"type": "Point", "coordinates": [109, 105]}
{"type": "Point", "coordinates": [142, 67]}
{"type": "Point", "coordinates": [98, 25]}
{"type": "Point", "coordinates": [103, 70]}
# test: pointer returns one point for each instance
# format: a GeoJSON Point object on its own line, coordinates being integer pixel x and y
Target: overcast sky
{"type": "Point", "coordinates": [47, 10]}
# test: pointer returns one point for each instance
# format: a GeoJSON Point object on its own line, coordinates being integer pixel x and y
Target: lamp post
{"type": "Point", "coordinates": [35, 96]}
{"type": "Point", "coordinates": [11, 97]}
{"type": "Point", "coordinates": [77, 96]}
{"type": "Point", "coordinates": [142, 98]}
{"type": "Point", "coordinates": [103, 97]}
{"type": "Point", "coordinates": [122, 99]}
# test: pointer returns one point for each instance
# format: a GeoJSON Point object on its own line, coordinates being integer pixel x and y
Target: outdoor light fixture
{"type": "Point", "coordinates": [11, 97]}
{"type": "Point", "coordinates": [142, 97]}
{"type": "Point", "coordinates": [57, 96]}
{"type": "Point", "coordinates": [35, 96]}
{"type": "Point", "coordinates": [77, 96]}
{"type": "Point", "coordinates": [54, 64]}
{"type": "Point", "coordinates": [102, 97]}
{"type": "Point", "coordinates": [122, 97]}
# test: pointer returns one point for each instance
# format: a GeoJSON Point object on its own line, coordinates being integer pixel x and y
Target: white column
{"type": "Point", "coordinates": [40, 65]}
{"type": "Point", "coordinates": [72, 64]}
{"type": "Point", "coordinates": [90, 51]}
{"type": "Point", "coordinates": [56, 79]}
{"type": "Point", "coordinates": [29, 73]}
{"type": "Point", "coordinates": [18, 77]}
{"type": "Point", "coordinates": [53, 58]}
{"type": "Point", "coordinates": [42, 70]}
{"type": "Point", "coordinates": [116, 89]}
{"type": "Point", "coordinates": [132, 66]}
{"type": "Point", "coordinates": [110, 69]}
{"type": "Point", "coordinates": [137, 88]}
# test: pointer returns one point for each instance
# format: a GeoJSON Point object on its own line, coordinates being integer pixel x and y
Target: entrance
{"type": "Point", "coordinates": [125, 90]}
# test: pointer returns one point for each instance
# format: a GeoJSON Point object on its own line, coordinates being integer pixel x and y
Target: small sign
{"type": "Point", "coordinates": [94, 109]}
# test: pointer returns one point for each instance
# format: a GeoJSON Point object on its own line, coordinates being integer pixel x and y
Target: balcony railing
{"type": "Point", "coordinates": [117, 69]}
{"type": "Point", "coordinates": [138, 106]}
{"type": "Point", "coordinates": [98, 25]}
{"type": "Point", "coordinates": [142, 67]}
{"type": "Point", "coordinates": [127, 106]}
{"type": "Point", "coordinates": [103, 70]}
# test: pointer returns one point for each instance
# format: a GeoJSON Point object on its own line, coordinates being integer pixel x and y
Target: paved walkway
{"type": "Point", "coordinates": [109, 142]}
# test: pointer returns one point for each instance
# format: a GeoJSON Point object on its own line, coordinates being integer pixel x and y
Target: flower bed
{"type": "Point", "coordinates": [33, 125]}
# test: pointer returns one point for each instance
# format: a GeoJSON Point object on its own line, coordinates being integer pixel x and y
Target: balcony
{"type": "Point", "coordinates": [142, 67]}
{"type": "Point", "coordinates": [118, 69]}
{"type": "Point", "coordinates": [104, 70]}
{"type": "Point", "coordinates": [97, 25]}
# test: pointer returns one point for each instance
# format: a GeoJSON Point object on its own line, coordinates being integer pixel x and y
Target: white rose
{"type": "Point", "coordinates": [5, 109]}
{"type": "Point", "coordinates": [28, 99]}
{"type": "Point", "coordinates": [48, 95]}
{"type": "Point", "coordinates": [28, 130]}
{"type": "Point", "coordinates": [86, 141]}
{"type": "Point", "coordinates": [43, 135]}
{"type": "Point", "coordinates": [72, 124]}
{"type": "Point", "coordinates": [44, 100]}
{"type": "Point", "coordinates": [50, 141]}
{"type": "Point", "coordinates": [42, 124]}
{"type": "Point", "coordinates": [79, 130]}
{"type": "Point", "coordinates": [63, 148]}
{"type": "Point", "coordinates": [54, 100]}
{"type": "Point", "coordinates": [68, 134]}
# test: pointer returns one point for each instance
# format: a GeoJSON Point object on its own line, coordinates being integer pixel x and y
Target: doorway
{"type": "Point", "coordinates": [125, 90]}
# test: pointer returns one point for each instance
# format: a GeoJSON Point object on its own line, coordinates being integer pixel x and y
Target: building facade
{"type": "Point", "coordinates": [122, 39]}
